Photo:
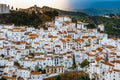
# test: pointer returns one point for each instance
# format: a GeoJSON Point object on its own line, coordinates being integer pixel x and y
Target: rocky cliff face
{"type": "Point", "coordinates": [37, 9]}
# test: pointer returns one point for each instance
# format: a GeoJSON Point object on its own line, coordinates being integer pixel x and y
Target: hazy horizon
{"type": "Point", "coordinates": [95, 4]}
{"type": "Point", "coordinates": [64, 4]}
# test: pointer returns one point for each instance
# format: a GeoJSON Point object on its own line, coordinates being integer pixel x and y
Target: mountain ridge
{"type": "Point", "coordinates": [35, 16]}
{"type": "Point", "coordinates": [47, 8]}
{"type": "Point", "coordinates": [99, 11]}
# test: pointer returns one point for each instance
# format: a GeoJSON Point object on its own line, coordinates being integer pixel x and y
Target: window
{"type": "Point", "coordinates": [44, 63]}
{"type": "Point", "coordinates": [48, 70]}
{"type": "Point", "coordinates": [59, 69]}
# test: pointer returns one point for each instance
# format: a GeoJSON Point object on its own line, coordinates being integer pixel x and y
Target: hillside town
{"type": "Point", "coordinates": [34, 54]}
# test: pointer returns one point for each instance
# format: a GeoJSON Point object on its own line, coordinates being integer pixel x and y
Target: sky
{"type": "Point", "coordinates": [64, 4]}
{"type": "Point", "coordinates": [60, 4]}
{"type": "Point", "coordinates": [78, 4]}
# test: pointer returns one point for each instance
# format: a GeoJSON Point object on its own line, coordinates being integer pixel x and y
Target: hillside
{"type": "Point", "coordinates": [73, 75]}
{"type": "Point", "coordinates": [34, 16]}
{"type": "Point", "coordinates": [100, 11]}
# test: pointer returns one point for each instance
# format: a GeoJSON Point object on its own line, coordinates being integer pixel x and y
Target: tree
{"type": "Point", "coordinates": [84, 78]}
{"type": "Point", "coordinates": [93, 79]}
{"type": "Point", "coordinates": [16, 63]}
{"type": "Point", "coordinates": [40, 70]}
{"type": "Point", "coordinates": [74, 63]}
{"type": "Point", "coordinates": [58, 77]}
{"type": "Point", "coordinates": [51, 14]}
{"type": "Point", "coordinates": [98, 29]}
{"type": "Point", "coordinates": [37, 68]}
{"type": "Point", "coordinates": [32, 54]}
{"type": "Point", "coordinates": [2, 55]}
{"type": "Point", "coordinates": [75, 21]}
{"type": "Point", "coordinates": [12, 7]}
{"type": "Point", "coordinates": [3, 78]}
{"type": "Point", "coordinates": [43, 71]}
{"type": "Point", "coordinates": [20, 78]}
{"type": "Point", "coordinates": [84, 63]}
{"type": "Point", "coordinates": [91, 26]}
{"type": "Point", "coordinates": [16, 9]}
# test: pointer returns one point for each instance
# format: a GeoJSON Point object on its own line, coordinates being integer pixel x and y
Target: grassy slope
{"type": "Point", "coordinates": [73, 75]}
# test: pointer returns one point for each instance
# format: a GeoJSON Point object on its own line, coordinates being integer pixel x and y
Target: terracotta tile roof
{"type": "Point", "coordinates": [51, 36]}
{"type": "Point", "coordinates": [100, 49]}
{"type": "Point", "coordinates": [118, 56]}
{"type": "Point", "coordinates": [78, 40]}
{"type": "Point", "coordinates": [68, 37]}
{"type": "Point", "coordinates": [32, 38]}
{"type": "Point", "coordinates": [57, 46]}
{"type": "Point", "coordinates": [84, 36]}
{"type": "Point", "coordinates": [37, 54]}
{"type": "Point", "coordinates": [98, 58]}
{"type": "Point", "coordinates": [28, 46]}
{"type": "Point", "coordinates": [115, 38]}
{"type": "Point", "coordinates": [6, 47]}
{"type": "Point", "coordinates": [17, 29]}
{"type": "Point", "coordinates": [23, 68]}
{"type": "Point", "coordinates": [9, 78]}
{"type": "Point", "coordinates": [33, 35]}
{"type": "Point", "coordinates": [93, 50]}
{"type": "Point", "coordinates": [110, 71]}
{"type": "Point", "coordinates": [79, 22]}
{"type": "Point", "coordinates": [91, 55]}
{"type": "Point", "coordinates": [35, 73]}
{"type": "Point", "coordinates": [10, 71]}
{"type": "Point", "coordinates": [117, 61]}
{"type": "Point", "coordinates": [19, 42]}
{"type": "Point", "coordinates": [107, 63]}
{"type": "Point", "coordinates": [46, 45]}
{"type": "Point", "coordinates": [2, 38]}
{"type": "Point", "coordinates": [110, 46]}
{"type": "Point", "coordinates": [12, 46]}
{"type": "Point", "coordinates": [67, 22]}
{"type": "Point", "coordinates": [62, 40]}
{"type": "Point", "coordinates": [116, 70]}
{"type": "Point", "coordinates": [8, 24]}
{"type": "Point", "coordinates": [93, 37]}
{"type": "Point", "coordinates": [113, 53]}
{"type": "Point", "coordinates": [69, 56]}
